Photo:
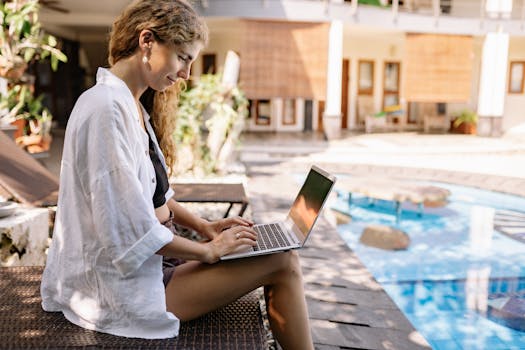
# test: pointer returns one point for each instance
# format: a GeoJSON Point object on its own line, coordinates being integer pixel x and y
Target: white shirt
{"type": "Point", "coordinates": [102, 272]}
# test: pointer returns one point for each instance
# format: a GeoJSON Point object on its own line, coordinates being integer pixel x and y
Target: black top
{"type": "Point", "coordinates": [159, 197]}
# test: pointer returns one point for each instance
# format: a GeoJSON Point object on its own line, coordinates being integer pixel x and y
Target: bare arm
{"type": "Point", "coordinates": [184, 217]}
{"type": "Point", "coordinates": [210, 252]}
{"type": "Point", "coordinates": [209, 229]}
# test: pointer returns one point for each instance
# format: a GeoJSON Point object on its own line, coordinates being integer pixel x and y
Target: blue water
{"type": "Point", "coordinates": [456, 261]}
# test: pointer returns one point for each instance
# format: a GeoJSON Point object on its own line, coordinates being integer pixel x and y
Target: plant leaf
{"type": "Point", "coordinates": [28, 54]}
{"type": "Point", "coordinates": [54, 63]}
{"type": "Point", "coordinates": [52, 41]}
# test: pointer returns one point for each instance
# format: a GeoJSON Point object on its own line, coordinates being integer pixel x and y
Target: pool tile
{"type": "Point", "coordinates": [448, 344]}
{"type": "Point", "coordinates": [428, 281]}
{"type": "Point", "coordinates": [481, 343]}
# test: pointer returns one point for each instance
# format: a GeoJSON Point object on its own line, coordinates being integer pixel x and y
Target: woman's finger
{"type": "Point", "coordinates": [237, 229]}
{"type": "Point", "coordinates": [237, 220]}
{"type": "Point", "coordinates": [244, 236]}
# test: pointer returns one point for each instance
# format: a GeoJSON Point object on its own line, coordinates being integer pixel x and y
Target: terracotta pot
{"type": "Point", "coordinates": [465, 128]}
{"type": "Point", "coordinates": [13, 73]}
{"type": "Point", "coordinates": [468, 128]}
{"type": "Point", "coordinates": [20, 124]}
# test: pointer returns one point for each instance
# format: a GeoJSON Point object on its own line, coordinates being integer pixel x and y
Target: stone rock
{"type": "Point", "coordinates": [385, 237]}
{"type": "Point", "coordinates": [341, 218]}
{"type": "Point", "coordinates": [24, 237]}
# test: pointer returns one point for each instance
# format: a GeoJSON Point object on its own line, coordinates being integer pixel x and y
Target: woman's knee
{"type": "Point", "coordinates": [287, 265]}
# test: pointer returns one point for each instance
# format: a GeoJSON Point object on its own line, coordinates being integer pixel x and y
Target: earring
{"type": "Point", "coordinates": [145, 59]}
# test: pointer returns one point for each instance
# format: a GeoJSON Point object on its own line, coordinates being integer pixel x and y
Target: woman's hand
{"type": "Point", "coordinates": [212, 229]}
{"type": "Point", "coordinates": [229, 240]}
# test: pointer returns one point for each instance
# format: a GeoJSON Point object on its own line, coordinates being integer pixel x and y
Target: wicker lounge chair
{"type": "Point", "coordinates": [24, 325]}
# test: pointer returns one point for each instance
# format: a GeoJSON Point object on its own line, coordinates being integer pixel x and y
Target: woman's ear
{"type": "Point", "coordinates": [146, 39]}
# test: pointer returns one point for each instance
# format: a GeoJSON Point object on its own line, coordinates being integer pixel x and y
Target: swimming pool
{"type": "Point", "coordinates": [455, 268]}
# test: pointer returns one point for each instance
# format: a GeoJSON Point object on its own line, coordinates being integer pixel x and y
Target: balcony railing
{"type": "Point", "coordinates": [484, 9]}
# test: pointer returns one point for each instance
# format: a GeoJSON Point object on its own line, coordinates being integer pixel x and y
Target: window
{"type": "Point", "coordinates": [391, 78]}
{"type": "Point", "coordinates": [390, 100]}
{"type": "Point", "coordinates": [288, 112]}
{"type": "Point", "coordinates": [391, 84]}
{"type": "Point", "coordinates": [366, 77]}
{"type": "Point", "coordinates": [262, 112]}
{"type": "Point", "coordinates": [517, 70]}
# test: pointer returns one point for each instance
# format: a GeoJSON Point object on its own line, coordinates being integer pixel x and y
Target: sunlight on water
{"type": "Point", "coordinates": [457, 268]}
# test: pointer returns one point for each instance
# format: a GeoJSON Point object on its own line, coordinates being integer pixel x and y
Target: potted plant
{"type": "Point", "coordinates": [22, 105]}
{"type": "Point", "coordinates": [22, 41]}
{"type": "Point", "coordinates": [465, 122]}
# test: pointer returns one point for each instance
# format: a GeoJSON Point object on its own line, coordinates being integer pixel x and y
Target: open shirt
{"type": "Point", "coordinates": [102, 272]}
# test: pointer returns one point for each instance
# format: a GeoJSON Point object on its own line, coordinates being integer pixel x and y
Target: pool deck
{"type": "Point", "coordinates": [348, 308]}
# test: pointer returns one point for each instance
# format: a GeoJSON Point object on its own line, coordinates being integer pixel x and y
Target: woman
{"type": "Point", "coordinates": [112, 230]}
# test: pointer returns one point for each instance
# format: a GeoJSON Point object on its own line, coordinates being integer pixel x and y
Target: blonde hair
{"type": "Point", "coordinates": [172, 22]}
{"type": "Point", "coordinates": [163, 111]}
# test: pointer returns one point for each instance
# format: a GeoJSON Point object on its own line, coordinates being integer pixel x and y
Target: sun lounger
{"type": "Point", "coordinates": [24, 325]}
{"type": "Point", "coordinates": [25, 178]}
{"type": "Point", "coordinates": [212, 193]}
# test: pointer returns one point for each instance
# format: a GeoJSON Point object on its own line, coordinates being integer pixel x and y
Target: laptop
{"type": "Point", "coordinates": [294, 231]}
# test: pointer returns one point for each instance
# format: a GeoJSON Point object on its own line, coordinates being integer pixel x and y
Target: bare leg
{"type": "Point", "coordinates": [196, 289]}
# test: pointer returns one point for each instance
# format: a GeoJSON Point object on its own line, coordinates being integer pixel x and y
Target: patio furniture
{"type": "Point", "coordinates": [436, 121]}
{"type": "Point", "coordinates": [25, 178]}
{"type": "Point", "coordinates": [394, 190]}
{"type": "Point", "coordinates": [375, 122]}
{"type": "Point", "coordinates": [212, 193]}
{"type": "Point", "coordinates": [24, 325]}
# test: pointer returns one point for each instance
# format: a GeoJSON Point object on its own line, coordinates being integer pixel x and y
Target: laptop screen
{"type": "Point", "coordinates": [310, 200]}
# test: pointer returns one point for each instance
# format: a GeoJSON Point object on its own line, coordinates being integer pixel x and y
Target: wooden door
{"type": "Point", "coordinates": [344, 93]}
{"type": "Point", "coordinates": [320, 112]}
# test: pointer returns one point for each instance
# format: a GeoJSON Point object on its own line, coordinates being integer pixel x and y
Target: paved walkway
{"type": "Point", "coordinates": [492, 163]}
{"type": "Point", "coordinates": [348, 308]}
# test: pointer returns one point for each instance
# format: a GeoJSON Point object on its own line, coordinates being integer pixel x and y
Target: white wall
{"type": "Point", "coordinates": [371, 45]}
{"type": "Point", "coordinates": [514, 114]}
{"type": "Point", "coordinates": [224, 35]}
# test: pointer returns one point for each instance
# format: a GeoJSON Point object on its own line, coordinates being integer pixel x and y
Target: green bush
{"type": "Point", "coordinates": [210, 118]}
{"type": "Point", "coordinates": [466, 116]}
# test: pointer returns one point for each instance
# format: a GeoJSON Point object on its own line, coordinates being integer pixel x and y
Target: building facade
{"type": "Point", "coordinates": [332, 64]}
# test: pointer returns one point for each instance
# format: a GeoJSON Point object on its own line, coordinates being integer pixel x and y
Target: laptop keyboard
{"type": "Point", "coordinates": [270, 236]}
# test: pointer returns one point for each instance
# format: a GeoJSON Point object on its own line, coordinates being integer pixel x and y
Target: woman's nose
{"type": "Point", "coordinates": [184, 73]}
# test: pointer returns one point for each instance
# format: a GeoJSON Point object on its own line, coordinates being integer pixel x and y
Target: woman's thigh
{"type": "Point", "coordinates": [196, 288]}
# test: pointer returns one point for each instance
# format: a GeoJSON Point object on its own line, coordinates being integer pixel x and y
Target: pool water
{"type": "Point", "coordinates": [455, 266]}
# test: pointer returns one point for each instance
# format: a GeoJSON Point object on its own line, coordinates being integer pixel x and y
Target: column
{"type": "Point", "coordinates": [491, 99]}
{"type": "Point", "coordinates": [332, 112]}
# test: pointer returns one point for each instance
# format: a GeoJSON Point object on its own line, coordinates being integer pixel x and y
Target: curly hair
{"type": "Point", "coordinates": [163, 108]}
{"type": "Point", "coordinates": [172, 22]}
